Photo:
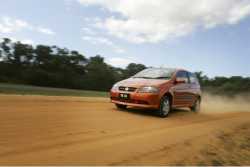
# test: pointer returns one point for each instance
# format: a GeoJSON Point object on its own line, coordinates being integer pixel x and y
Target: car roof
{"type": "Point", "coordinates": [172, 69]}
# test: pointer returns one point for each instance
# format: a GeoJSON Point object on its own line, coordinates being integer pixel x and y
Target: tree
{"type": "Point", "coordinates": [77, 59]}
{"type": "Point", "coordinates": [99, 75]}
{"type": "Point", "coordinates": [43, 54]}
{"type": "Point", "coordinates": [6, 49]}
{"type": "Point", "coordinates": [203, 79]}
{"type": "Point", "coordinates": [22, 54]}
{"type": "Point", "coordinates": [133, 68]}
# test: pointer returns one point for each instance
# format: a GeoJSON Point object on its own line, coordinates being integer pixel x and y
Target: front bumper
{"type": "Point", "coordinates": [142, 100]}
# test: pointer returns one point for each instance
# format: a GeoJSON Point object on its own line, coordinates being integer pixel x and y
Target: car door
{"type": "Point", "coordinates": [194, 87]}
{"type": "Point", "coordinates": [181, 90]}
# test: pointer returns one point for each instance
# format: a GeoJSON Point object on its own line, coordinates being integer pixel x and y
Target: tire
{"type": "Point", "coordinates": [197, 106]}
{"type": "Point", "coordinates": [165, 107]}
{"type": "Point", "coordinates": [120, 106]}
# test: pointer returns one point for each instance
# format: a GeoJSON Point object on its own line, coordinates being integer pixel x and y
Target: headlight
{"type": "Point", "coordinates": [115, 87]}
{"type": "Point", "coordinates": [148, 89]}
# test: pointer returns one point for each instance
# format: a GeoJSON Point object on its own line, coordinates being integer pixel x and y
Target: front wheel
{"type": "Point", "coordinates": [165, 107]}
{"type": "Point", "coordinates": [197, 106]}
{"type": "Point", "coordinates": [120, 106]}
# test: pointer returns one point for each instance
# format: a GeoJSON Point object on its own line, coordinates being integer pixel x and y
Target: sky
{"type": "Point", "coordinates": [212, 36]}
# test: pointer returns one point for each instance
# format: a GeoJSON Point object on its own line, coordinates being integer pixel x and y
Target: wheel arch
{"type": "Point", "coordinates": [199, 97]}
{"type": "Point", "coordinates": [168, 94]}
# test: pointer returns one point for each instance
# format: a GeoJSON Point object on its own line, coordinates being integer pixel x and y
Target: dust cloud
{"type": "Point", "coordinates": [216, 103]}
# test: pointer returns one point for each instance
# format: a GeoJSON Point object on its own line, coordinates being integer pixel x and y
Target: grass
{"type": "Point", "coordinates": [37, 90]}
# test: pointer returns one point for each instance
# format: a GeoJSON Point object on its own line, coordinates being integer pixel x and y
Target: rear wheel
{"type": "Point", "coordinates": [120, 106]}
{"type": "Point", "coordinates": [165, 106]}
{"type": "Point", "coordinates": [197, 106]}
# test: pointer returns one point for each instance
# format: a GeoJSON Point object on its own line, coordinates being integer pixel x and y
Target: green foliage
{"type": "Point", "coordinates": [99, 75]}
{"type": "Point", "coordinates": [133, 68]}
{"type": "Point", "coordinates": [52, 66]}
{"type": "Point", "coordinates": [225, 85]}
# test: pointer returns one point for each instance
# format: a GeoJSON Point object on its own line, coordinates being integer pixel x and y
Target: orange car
{"type": "Point", "coordinates": [158, 88]}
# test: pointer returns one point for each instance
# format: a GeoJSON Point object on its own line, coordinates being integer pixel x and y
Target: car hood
{"type": "Point", "coordinates": [138, 82]}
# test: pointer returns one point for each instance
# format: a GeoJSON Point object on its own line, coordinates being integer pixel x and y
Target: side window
{"type": "Point", "coordinates": [182, 74]}
{"type": "Point", "coordinates": [192, 78]}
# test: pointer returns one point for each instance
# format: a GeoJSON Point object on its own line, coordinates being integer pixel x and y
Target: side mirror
{"type": "Point", "coordinates": [180, 80]}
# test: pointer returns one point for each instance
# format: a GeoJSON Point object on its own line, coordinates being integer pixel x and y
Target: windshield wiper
{"type": "Point", "coordinates": [144, 77]}
{"type": "Point", "coordinates": [153, 77]}
{"type": "Point", "coordinates": [162, 78]}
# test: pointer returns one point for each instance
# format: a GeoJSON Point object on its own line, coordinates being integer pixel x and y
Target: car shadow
{"type": "Point", "coordinates": [150, 113]}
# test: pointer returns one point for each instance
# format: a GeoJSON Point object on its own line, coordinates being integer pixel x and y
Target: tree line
{"type": "Point", "coordinates": [52, 66]}
{"type": "Point", "coordinates": [225, 85]}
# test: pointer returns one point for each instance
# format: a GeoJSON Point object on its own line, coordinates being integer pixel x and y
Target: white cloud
{"type": "Point", "coordinates": [98, 40]}
{"type": "Point", "coordinates": [156, 20]}
{"type": "Point", "coordinates": [24, 41]}
{"type": "Point", "coordinates": [4, 29]}
{"type": "Point", "coordinates": [103, 41]}
{"type": "Point", "coordinates": [11, 25]}
{"type": "Point", "coordinates": [119, 50]}
{"type": "Point", "coordinates": [45, 31]}
{"type": "Point", "coordinates": [88, 31]}
{"type": "Point", "coordinates": [120, 61]}
{"type": "Point", "coordinates": [27, 41]}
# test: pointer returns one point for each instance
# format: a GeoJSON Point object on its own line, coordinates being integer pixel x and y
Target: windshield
{"type": "Point", "coordinates": [155, 73]}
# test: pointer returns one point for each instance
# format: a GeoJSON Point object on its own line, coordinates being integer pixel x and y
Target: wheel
{"type": "Point", "coordinates": [120, 106]}
{"type": "Point", "coordinates": [165, 106]}
{"type": "Point", "coordinates": [197, 106]}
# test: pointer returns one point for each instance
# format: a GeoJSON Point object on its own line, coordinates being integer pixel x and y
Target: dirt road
{"type": "Point", "coordinates": [40, 130]}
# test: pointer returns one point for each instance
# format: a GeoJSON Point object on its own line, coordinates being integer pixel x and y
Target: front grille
{"type": "Point", "coordinates": [130, 100]}
{"type": "Point", "coordinates": [127, 89]}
